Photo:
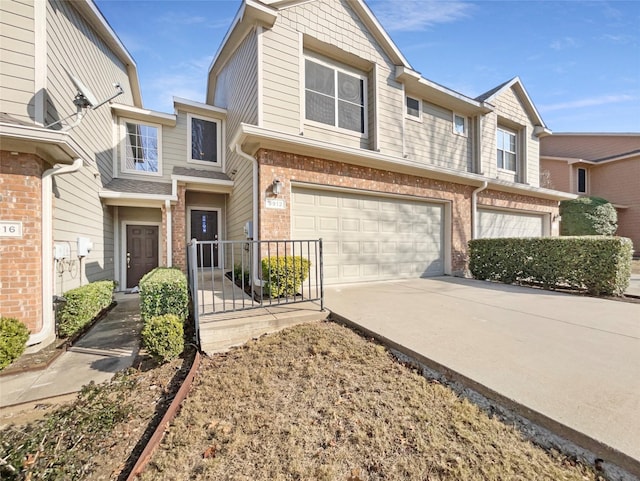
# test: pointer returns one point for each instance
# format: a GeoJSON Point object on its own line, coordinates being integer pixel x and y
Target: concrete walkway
{"type": "Point", "coordinates": [573, 359]}
{"type": "Point", "coordinates": [110, 346]}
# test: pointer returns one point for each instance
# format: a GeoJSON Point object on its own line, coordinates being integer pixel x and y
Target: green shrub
{"type": "Point", "coordinates": [164, 291]}
{"type": "Point", "coordinates": [588, 216]}
{"type": "Point", "coordinates": [82, 305]}
{"type": "Point", "coordinates": [13, 339]}
{"type": "Point", "coordinates": [599, 265]}
{"type": "Point", "coordinates": [284, 275]}
{"type": "Point", "coordinates": [241, 275]}
{"type": "Point", "coordinates": [163, 337]}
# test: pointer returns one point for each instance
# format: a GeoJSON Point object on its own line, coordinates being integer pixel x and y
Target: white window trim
{"type": "Point", "coordinates": [515, 134]}
{"type": "Point", "coordinates": [466, 124]}
{"type": "Point", "coordinates": [586, 180]}
{"type": "Point", "coordinates": [407, 114]}
{"type": "Point", "coordinates": [220, 153]}
{"type": "Point", "coordinates": [338, 68]}
{"type": "Point", "coordinates": [123, 148]}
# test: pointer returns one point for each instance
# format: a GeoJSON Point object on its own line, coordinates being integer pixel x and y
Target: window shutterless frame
{"type": "Point", "coordinates": [507, 148]}
{"type": "Point", "coordinates": [413, 108]}
{"type": "Point", "coordinates": [334, 97]}
{"type": "Point", "coordinates": [140, 147]}
{"type": "Point", "coordinates": [204, 140]}
{"type": "Point", "coordinates": [459, 124]}
{"type": "Point", "coordinates": [581, 174]}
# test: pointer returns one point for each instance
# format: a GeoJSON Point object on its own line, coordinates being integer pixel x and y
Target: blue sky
{"type": "Point", "coordinates": [579, 60]}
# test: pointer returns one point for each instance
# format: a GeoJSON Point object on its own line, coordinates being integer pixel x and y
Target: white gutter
{"type": "Point", "coordinates": [256, 281]}
{"type": "Point", "coordinates": [167, 209]}
{"type": "Point", "coordinates": [48, 322]}
{"type": "Point", "coordinates": [474, 209]}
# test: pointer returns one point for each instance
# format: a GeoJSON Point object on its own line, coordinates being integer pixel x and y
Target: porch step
{"type": "Point", "coordinates": [220, 332]}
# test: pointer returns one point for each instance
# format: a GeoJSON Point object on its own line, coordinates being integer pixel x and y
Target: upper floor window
{"type": "Point", "coordinates": [335, 96]}
{"type": "Point", "coordinates": [507, 158]}
{"type": "Point", "coordinates": [141, 148]}
{"type": "Point", "coordinates": [204, 135]}
{"type": "Point", "coordinates": [582, 181]}
{"type": "Point", "coordinates": [414, 108]}
{"type": "Point", "coordinates": [459, 125]}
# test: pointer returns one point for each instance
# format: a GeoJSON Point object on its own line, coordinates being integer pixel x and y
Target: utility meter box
{"type": "Point", "coordinates": [84, 246]}
{"type": "Point", "coordinates": [61, 250]}
{"type": "Point", "coordinates": [248, 230]}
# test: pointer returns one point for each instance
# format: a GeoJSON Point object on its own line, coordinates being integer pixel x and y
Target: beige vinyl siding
{"type": "Point", "coordinates": [17, 60]}
{"type": "Point", "coordinates": [333, 23]}
{"type": "Point", "coordinates": [174, 147]}
{"type": "Point", "coordinates": [433, 141]}
{"type": "Point", "coordinates": [511, 114]}
{"type": "Point", "coordinates": [131, 215]}
{"type": "Point", "coordinates": [281, 79]}
{"type": "Point", "coordinates": [236, 90]}
{"type": "Point", "coordinates": [73, 45]}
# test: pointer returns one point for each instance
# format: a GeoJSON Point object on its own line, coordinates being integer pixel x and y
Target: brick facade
{"type": "Point", "coordinates": [21, 257]}
{"type": "Point", "coordinates": [276, 223]}
{"type": "Point", "coordinates": [179, 226]}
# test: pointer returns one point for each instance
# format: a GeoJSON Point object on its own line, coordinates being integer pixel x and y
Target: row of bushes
{"type": "Point", "coordinates": [164, 307]}
{"type": "Point", "coordinates": [82, 305]}
{"type": "Point", "coordinates": [596, 264]}
{"type": "Point", "coordinates": [13, 339]}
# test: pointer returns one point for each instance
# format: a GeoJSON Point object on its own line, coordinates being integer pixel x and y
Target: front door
{"type": "Point", "coordinates": [142, 252]}
{"type": "Point", "coordinates": [204, 227]}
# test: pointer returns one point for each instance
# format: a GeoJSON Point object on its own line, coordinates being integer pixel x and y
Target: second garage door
{"type": "Point", "coordinates": [498, 223]}
{"type": "Point", "coordinates": [366, 237]}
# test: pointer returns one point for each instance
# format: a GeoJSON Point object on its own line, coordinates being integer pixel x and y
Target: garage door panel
{"type": "Point", "coordinates": [494, 223]}
{"type": "Point", "coordinates": [370, 238]}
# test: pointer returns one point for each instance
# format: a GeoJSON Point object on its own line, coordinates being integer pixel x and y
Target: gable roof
{"type": "Point", "coordinates": [516, 84]}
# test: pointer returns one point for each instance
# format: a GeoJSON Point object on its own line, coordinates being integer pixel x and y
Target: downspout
{"type": "Point", "coordinates": [256, 281]}
{"type": "Point", "coordinates": [169, 235]}
{"type": "Point", "coordinates": [48, 323]}
{"type": "Point", "coordinates": [474, 209]}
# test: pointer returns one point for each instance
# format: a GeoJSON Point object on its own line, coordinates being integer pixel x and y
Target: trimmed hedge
{"type": "Point", "coordinates": [596, 264]}
{"type": "Point", "coordinates": [588, 216]}
{"type": "Point", "coordinates": [163, 337]}
{"type": "Point", "coordinates": [284, 275]}
{"type": "Point", "coordinates": [82, 305]}
{"type": "Point", "coordinates": [13, 340]}
{"type": "Point", "coordinates": [164, 291]}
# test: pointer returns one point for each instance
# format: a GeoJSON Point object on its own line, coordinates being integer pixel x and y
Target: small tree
{"type": "Point", "coordinates": [588, 216]}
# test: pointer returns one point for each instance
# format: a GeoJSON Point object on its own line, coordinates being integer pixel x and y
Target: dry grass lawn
{"type": "Point", "coordinates": [319, 402]}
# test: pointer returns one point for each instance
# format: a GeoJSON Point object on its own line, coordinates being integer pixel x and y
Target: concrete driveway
{"type": "Point", "coordinates": [573, 359]}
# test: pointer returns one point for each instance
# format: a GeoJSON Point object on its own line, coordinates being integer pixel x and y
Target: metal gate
{"type": "Point", "coordinates": [253, 274]}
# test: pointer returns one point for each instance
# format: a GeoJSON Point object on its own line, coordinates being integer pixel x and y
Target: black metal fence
{"type": "Point", "coordinates": [227, 276]}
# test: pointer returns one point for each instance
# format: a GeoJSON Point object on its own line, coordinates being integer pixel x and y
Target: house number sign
{"type": "Point", "coordinates": [271, 203]}
{"type": "Point", "coordinates": [10, 228]}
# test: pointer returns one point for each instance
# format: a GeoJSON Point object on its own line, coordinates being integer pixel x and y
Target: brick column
{"type": "Point", "coordinates": [21, 257]}
{"type": "Point", "coordinates": [179, 227]}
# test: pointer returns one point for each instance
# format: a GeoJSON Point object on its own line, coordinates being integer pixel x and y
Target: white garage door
{"type": "Point", "coordinates": [370, 238]}
{"type": "Point", "coordinates": [495, 223]}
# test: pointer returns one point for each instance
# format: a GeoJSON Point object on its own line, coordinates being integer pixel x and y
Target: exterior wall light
{"type": "Point", "coordinates": [276, 187]}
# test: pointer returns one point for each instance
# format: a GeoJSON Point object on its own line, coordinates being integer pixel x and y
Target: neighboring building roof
{"type": "Point", "coordinates": [619, 156]}
{"type": "Point", "coordinates": [592, 147]}
{"type": "Point", "coordinates": [128, 186]}
{"type": "Point", "coordinates": [202, 174]}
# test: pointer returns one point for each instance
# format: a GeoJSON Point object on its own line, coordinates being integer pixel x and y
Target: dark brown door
{"type": "Point", "coordinates": [142, 252]}
{"type": "Point", "coordinates": [204, 227]}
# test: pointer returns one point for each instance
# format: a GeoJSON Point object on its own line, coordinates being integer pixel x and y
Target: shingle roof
{"type": "Point", "coordinates": [486, 95]}
{"type": "Point", "coordinates": [203, 174]}
{"type": "Point", "coordinates": [129, 186]}
{"type": "Point", "coordinates": [609, 157]}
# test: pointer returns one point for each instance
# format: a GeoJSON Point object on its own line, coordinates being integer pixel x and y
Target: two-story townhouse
{"type": "Point", "coordinates": [56, 156]}
{"type": "Point", "coordinates": [331, 133]}
{"type": "Point", "coordinates": [315, 125]}
{"type": "Point", "coordinates": [601, 164]}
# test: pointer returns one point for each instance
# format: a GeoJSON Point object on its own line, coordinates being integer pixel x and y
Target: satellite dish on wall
{"type": "Point", "coordinates": [84, 100]}
{"type": "Point", "coordinates": [84, 97]}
